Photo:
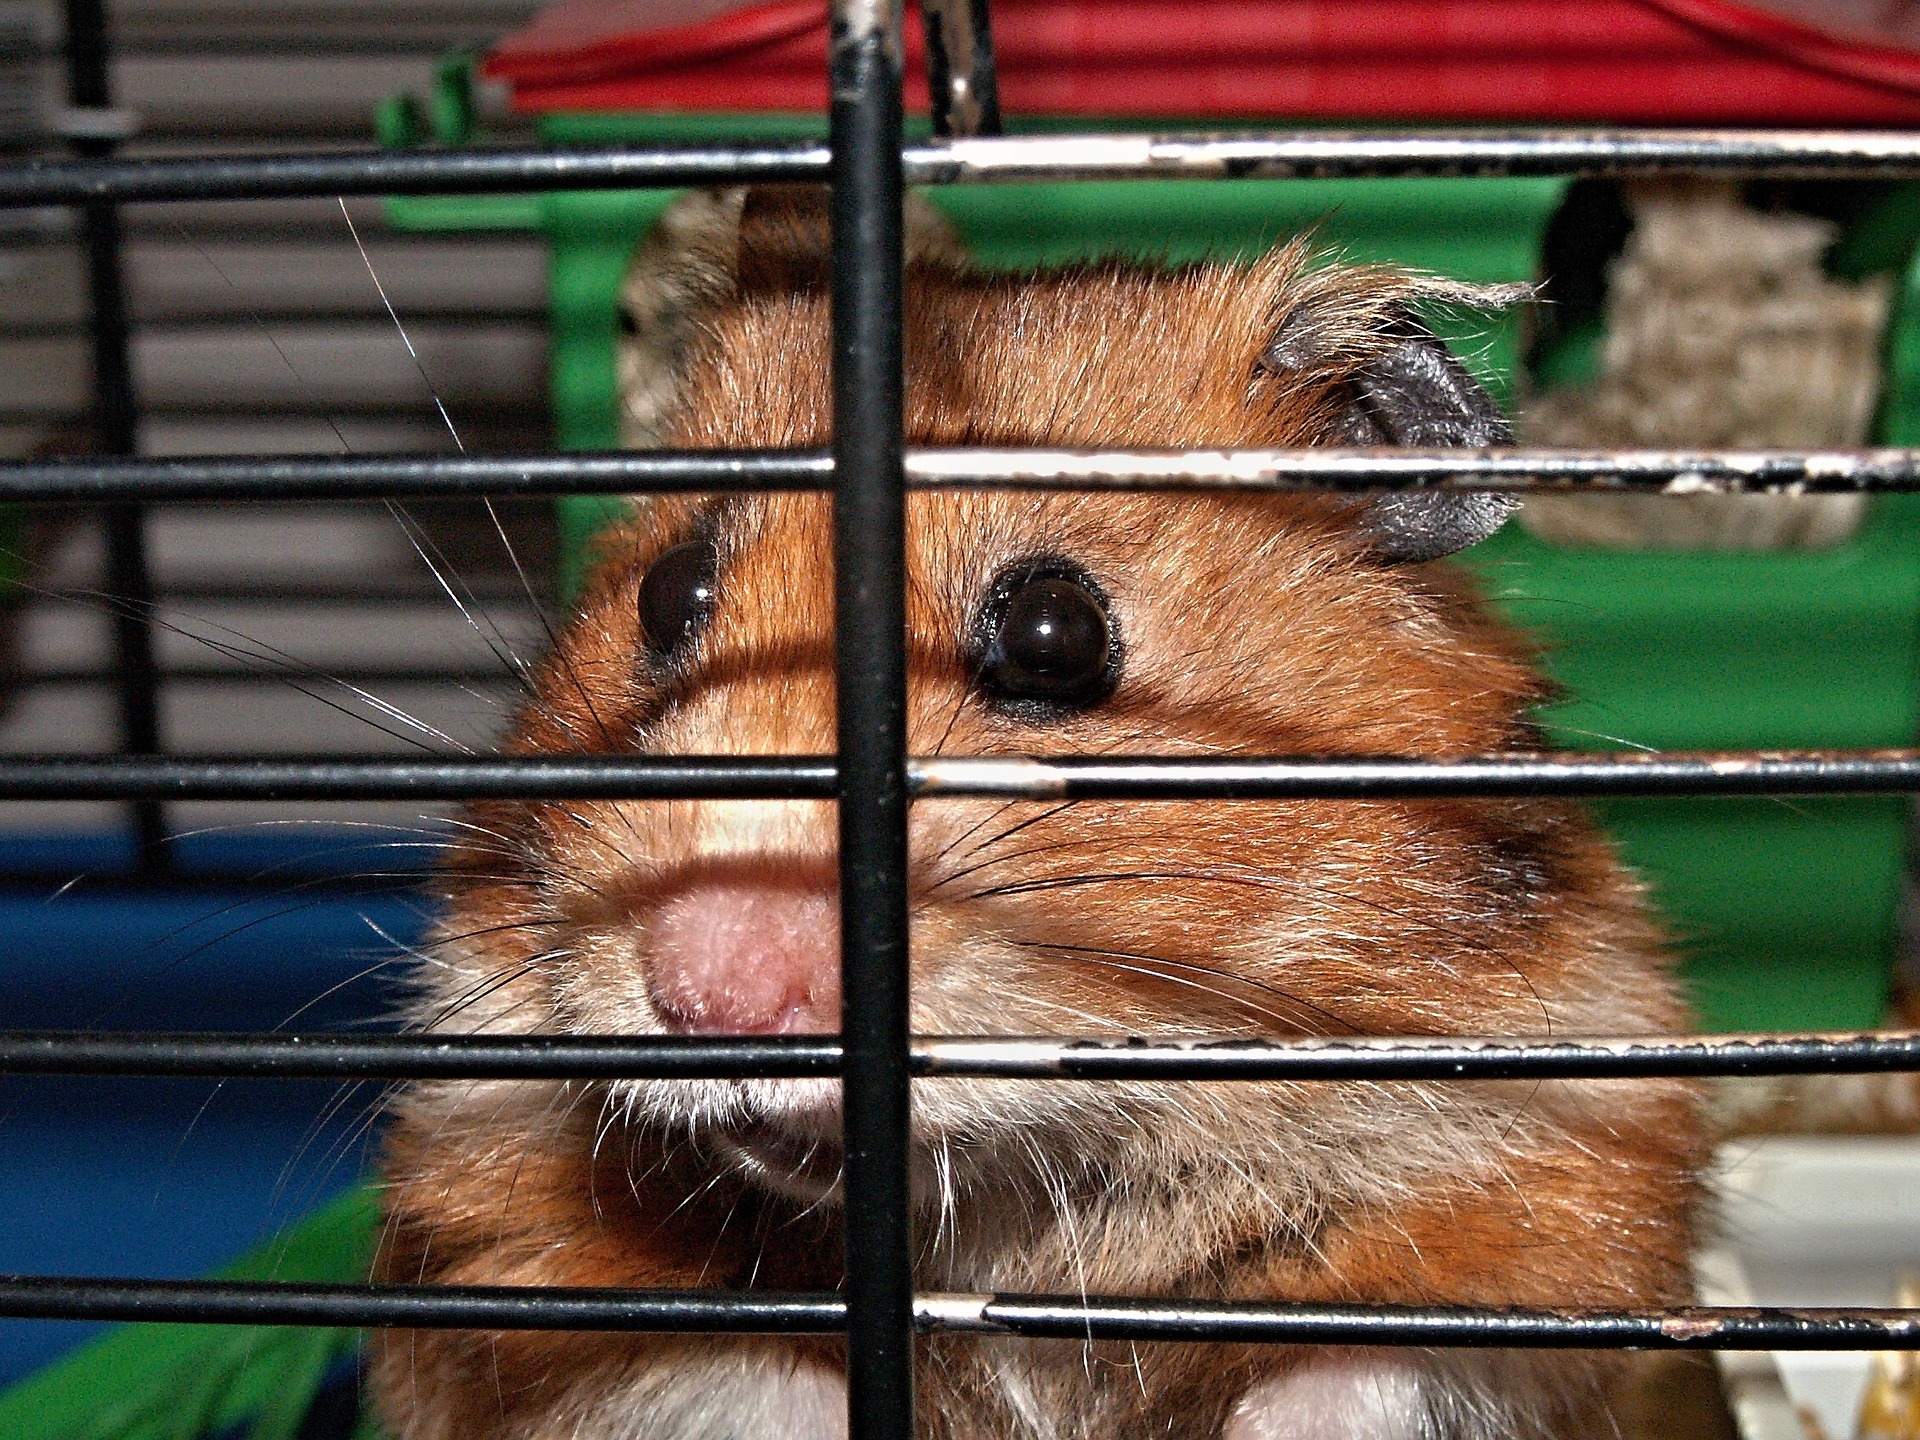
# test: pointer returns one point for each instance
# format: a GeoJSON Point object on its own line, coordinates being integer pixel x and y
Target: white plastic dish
{"type": "Point", "coordinates": [1809, 1221]}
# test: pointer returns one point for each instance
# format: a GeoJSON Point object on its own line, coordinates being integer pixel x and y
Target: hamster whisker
{"type": "Point", "coordinates": [552, 1119]}
{"type": "Point", "coordinates": [262, 659]}
{"type": "Point", "coordinates": [459, 937]}
{"type": "Point", "coordinates": [438, 566]}
{"type": "Point", "coordinates": [491, 984]}
{"type": "Point", "coordinates": [1097, 842]}
{"type": "Point", "coordinates": [1069, 882]}
{"type": "Point", "coordinates": [1116, 960]}
{"type": "Point", "coordinates": [553, 647]}
{"type": "Point", "coordinates": [341, 1145]}
{"type": "Point", "coordinates": [994, 814]}
{"type": "Point", "coordinates": [430, 553]}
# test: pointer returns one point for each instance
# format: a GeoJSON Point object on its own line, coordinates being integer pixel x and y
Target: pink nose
{"type": "Point", "coordinates": [744, 959]}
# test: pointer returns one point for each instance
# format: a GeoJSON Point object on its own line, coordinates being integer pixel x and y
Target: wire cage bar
{"type": "Point", "coordinates": [677, 1057]}
{"type": "Point", "coordinates": [413, 476]}
{"type": "Point", "coordinates": [1036, 1317]}
{"type": "Point", "coordinates": [1269, 155]}
{"type": "Point", "coordinates": [870, 617]}
{"type": "Point", "coordinates": [874, 780]}
{"type": "Point", "coordinates": [116, 421]}
{"type": "Point", "coordinates": [820, 777]}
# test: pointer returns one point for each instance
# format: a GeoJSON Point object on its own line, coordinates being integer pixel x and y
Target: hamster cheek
{"type": "Point", "coordinates": [1344, 1397]}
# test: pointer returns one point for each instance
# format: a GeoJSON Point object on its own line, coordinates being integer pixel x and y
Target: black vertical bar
{"type": "Point", "coordinates": [116, 432]}
{"type": "Point", "coordinates": [963, 87]}
{"type": "Point", "coordinates": [870, 602]}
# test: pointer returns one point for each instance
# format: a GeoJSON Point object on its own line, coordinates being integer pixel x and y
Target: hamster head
{"type": "Point", "coordinates": [1055, 623]}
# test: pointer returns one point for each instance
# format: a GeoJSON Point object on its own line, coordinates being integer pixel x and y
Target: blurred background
{"type": "Point", "coordinates": [256, 326]}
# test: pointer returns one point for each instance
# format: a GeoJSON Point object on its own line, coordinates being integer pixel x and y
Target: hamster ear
{"type": "Point", "coordinates": [1418, 394]}
{"type": "Point", "coordinates": [709, 245]}
{"type": "Point", "coordinates": [1403, 387]}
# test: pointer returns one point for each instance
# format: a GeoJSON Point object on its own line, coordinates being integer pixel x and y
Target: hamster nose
{"type": "Point", "coordinates": [744, 959]}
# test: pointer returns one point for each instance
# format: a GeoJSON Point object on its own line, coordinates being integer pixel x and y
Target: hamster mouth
{"type": "Point", "coordinates": [804, 1168]}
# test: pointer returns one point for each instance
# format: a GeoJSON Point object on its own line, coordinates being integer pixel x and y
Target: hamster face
{"type": "Point", "coordinates": [1051, 624]}
{"type": "Point", "coordinates": [1301, 918]}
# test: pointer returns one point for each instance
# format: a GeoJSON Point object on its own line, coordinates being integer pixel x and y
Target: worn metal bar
{"type": "Point", "coordinates": [570, 777]}
{"type": "Point", "coordinates": [220, 1302]}
{"type": "Point", "coordinates": [136, 670]}
{"type": "Point", "coordinates": [409, 172]}
{"type": "Point", "coordinates": [413, 476]}
{"type": "Point", "coordinates": [669, 1057]}
{"type": "Point", "coordinates": [1801, 772]}
{"type": "Point", "coordinates": [474, 672]}
{"type": "Point", "coordinates": [443, 1307]}
{"type": "Point", "coordinates": [1753, 154]}
{"type": "Point", "coordinates": [1694, 1327]}
{"type": "Point", "coordinates": [1671, 472]}
{"type": "Point", "coordinates": [869, 558]}
{"type": "Point", "coordinates": [417, 1057]}
{"type": "Point", "coordinates": [116, 431]}
{"type": "Point", "coordinates": [963, 84]}
{"type": "Point", "coordinates": [816, 777]}
{"type": "Point", "coordinates": [1616, 153]}
{"type": "Point", "coordinates": [1376, 1058]}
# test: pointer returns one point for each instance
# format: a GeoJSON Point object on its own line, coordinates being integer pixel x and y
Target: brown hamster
{"type": "Point", "coordinates": [1073, 623]}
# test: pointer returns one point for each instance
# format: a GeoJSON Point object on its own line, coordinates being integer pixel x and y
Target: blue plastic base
{"type": "Point", "coordinates": [174, 1178]}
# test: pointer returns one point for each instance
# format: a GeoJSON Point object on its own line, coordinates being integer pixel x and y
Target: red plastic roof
{"type": "Point", "coordinates": [1626, 61]}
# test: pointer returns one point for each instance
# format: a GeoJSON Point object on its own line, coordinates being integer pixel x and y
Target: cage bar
{"type": "Point", "coordinates": [1275, 155]}
{"type": "Point", "coordinates": [818, 777]}
{"type": "Point", "coordinates": [870, 614]}
{"type": "Point", "coordinates": [116, 423]}
{"type": "Point", "coordinates": [1032, 1057]}
{"type": "Point", "coordinates": [1694, 1327]}
{"type": "Point", "coordinates": [415, 476]}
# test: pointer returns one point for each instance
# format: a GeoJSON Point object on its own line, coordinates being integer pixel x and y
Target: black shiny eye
{"type": "Point", "coordinates": [623, 318]}
{"type": "Point", "coordinates": [677, 597]}
{"type": "Point", "coordinates": [1045, 640]}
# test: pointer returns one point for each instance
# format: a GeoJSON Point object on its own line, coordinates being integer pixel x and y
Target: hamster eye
{"type": "Point", "coordinates": [677, 596]}
{"type": "Point", "coordinates": [1045, 641]}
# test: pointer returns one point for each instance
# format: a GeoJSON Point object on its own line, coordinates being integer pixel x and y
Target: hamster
{"type": "Point", "coordinates": [1047, 623]}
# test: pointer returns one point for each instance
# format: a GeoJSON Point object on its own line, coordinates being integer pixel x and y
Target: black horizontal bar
{"type": "Point", "coordinates": [262, 777]}
{"type": "Point", "coordinates": [1582, 1057]}
{"type": "Point", "coordinates": [610, 1057]}
{"type": "Point", "coordinates": [813, 777]}
{"type": "Point", "coordinates": [476, 673]}
{"type": "Point", "coordinates": [1777, 154]}
{"type": "Point", "coordinates": [416, 1057]}
{"type": "Point", "coordinates": [225, 1302]}
{"type": "Point", "coordinates": [408, 172]}
{"type": "Point", "coordinates": [1696, 1327]}
{"type": "Point", "coordinates": [410, 476]}
{"type": "Point", "coordinates": [1324, 154]}
{"type": "Point", "coordinates": [414, 476]}
{"type": "Point", "coordinates": [1798, 772]}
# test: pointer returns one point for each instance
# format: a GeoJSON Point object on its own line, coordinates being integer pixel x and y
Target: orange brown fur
{"type": "Point", "coordinates": [1253, 625]}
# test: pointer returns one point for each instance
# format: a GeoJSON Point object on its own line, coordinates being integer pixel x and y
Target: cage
{"type": "Point", "coordinates": [874, 1056]}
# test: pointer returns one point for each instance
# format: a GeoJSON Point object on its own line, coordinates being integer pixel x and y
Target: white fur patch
{"type": "Point", "coordinates": [1358, 1397]}
{"type": "Point", "coordinates": [769, 1397]}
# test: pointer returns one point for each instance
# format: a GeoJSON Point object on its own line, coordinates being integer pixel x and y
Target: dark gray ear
{"type": "Point", "coordinates": [1419, 395]}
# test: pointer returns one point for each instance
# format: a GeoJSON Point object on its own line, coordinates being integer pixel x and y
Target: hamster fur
{"type": "Point", "coordinates": [1240, 624]}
